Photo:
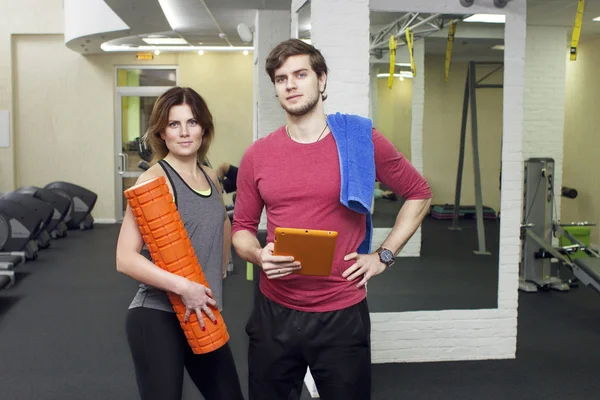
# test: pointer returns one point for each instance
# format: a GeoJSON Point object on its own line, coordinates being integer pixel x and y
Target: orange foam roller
{"type": "Point", "coordinates": [170, 247]}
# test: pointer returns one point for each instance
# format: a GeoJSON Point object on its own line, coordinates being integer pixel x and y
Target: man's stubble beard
{"type": "Point", "coordinates": [305, 109]}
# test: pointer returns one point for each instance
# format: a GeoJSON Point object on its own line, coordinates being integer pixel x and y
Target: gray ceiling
{"type": "Point", "coordinates": [196, 25]}
{"type": "Point", "coordinates": [562, 13]}
{"type": "Point", "coordinates": [146, 17]}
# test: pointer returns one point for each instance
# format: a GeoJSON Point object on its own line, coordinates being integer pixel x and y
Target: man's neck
{"type": "Point", "coordinates": [308, 127]}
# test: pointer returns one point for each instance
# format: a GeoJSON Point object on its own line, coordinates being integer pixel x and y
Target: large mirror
{"type": "Point", "coordinates": [454, 82]}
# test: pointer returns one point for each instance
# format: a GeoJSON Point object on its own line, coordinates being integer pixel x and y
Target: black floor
{"type": "Point", "coordinates": [448, 275]}
{"type": "Point", "coordinates": [62, 337]}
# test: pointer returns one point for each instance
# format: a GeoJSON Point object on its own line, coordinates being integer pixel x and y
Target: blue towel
{"type": "Point", "coordinates": [353, 137]}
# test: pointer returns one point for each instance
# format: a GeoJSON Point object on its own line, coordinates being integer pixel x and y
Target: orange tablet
{"type": "Point", "coordinates": [313, 248]}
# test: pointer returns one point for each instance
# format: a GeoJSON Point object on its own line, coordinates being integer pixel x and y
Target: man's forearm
{"type": "Point", "coordinates": [409, 218]}
{"type": "Point", "coordinates": [247, 246]}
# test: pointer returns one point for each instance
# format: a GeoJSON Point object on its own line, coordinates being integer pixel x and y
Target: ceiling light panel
{"type": "Point", "coordinates": [487, 18]}
{"type": "Point", "coordinates": [165, 41]}
{"type": "Point", "coordinates": [185, 15]}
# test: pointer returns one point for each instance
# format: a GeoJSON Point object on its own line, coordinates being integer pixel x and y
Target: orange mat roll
{"type": "Point", "coordinates": [171, 249]}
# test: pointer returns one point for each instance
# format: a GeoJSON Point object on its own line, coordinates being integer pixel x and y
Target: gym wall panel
{"type": "Point", "coordinates": [65, 111]}
{"type": "Point", "coordinates": [441, 133]}
{"type": "Point", "coordinates": [394, 113]}
{"type": "Point", "coordinates": [64, 118]}
{"type": "Point", "coordinates": [19, 17]}
{"type": "Point", "coordinates": [582, 137]}
{"type": "Point", "coordinates": [226, 83]}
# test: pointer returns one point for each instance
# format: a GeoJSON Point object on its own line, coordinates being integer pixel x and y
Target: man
{"type": "Point", "coordinates": [298, 320]}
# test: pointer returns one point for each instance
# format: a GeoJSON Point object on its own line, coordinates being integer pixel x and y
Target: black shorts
{"type": "Point", "coordinates": [336, 345]}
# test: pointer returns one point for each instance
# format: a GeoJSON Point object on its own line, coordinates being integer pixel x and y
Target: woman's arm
{"type": "Point", "coordinates": [131, 263]}
{"type": "Point", "coordinates": [129, 260]}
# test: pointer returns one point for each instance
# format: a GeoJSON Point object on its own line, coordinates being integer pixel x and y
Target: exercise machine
{"type": "Point", "coordinates": [60, 204]}
{"type": "Point", "coordinates": [7, 260]}
{"type": "Point", "coordinates": [537, 233]}
{"type": "Point", "coordinates": [39, 207]}
{"type": "Point", "coordinates": [82, 200]}
{"type": "Point", "coordinates": [20, 228]}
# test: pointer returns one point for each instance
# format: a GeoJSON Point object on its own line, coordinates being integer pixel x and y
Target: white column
{"type": "Point", "coordinates": [340, 30]}
{"type": "Point", "coordinates": [373, 92]}
{"type": "Point", "coordinates": [270, 28]}
{"type": "Point", "coordinates": [413, 247]}
{"type": "Point", "coordinates": [545, 85]}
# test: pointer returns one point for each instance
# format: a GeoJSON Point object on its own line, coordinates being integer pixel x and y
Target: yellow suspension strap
{"type": "Point", "coordinates": [393, 45]}
{"type": "Point", "coordinates": [410, 40]}
{"type": "Point", "coordinates": [451, 32]}
{"type": "Point", "coordinates": [577, 30]}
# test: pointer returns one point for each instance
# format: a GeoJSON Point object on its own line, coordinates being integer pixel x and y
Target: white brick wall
{"type": "Point", "coordinates": [270, 28]}
{"type": "Point", "coordinates": [413, 247]}
{"type": "Point", "coordinates": [545, 81]}
{"type": "Point", "coordinates": [340, 29]}
{"type": "Point", "coordinates": [469, 334]}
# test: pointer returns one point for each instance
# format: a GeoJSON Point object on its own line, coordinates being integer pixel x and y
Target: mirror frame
{"type": "Point", "coordinates": [471, 334]}
{"type": "Point", "coordinates": [452, 335]}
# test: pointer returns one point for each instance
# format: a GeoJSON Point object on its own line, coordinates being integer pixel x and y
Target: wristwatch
{"type": "Point", "coordinates": [386, 256]}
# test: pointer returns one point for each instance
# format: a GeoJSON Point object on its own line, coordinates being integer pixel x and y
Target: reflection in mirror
{"type": "Point", "coordinates": [458, 263]}
{"type": "Point", "coordinates": [304, 22]}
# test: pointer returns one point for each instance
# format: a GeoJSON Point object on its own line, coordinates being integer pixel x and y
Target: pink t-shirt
{"type": "Point", "coordinates": [300, 186]}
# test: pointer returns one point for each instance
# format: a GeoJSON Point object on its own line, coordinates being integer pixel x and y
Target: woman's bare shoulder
{"type": "Point", "coordinates": [153, 172]}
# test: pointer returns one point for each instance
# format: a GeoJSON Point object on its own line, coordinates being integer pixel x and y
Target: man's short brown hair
{"type": "Point", "coordinates": [296, 47]}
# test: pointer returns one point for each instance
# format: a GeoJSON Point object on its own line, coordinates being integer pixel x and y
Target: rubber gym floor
{"type": "Point", "coordinates": [62, 328]}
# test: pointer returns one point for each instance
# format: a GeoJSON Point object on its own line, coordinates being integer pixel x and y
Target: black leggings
{"type": "Point", "coordinates": [160, 352]}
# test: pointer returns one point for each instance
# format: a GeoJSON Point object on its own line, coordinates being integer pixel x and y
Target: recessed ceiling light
{"type": "Point", "coordinates": [487, 18]}
{"type": "Point", "coordinates": [201, 52]}
{"type": "Point", "coordinates": [597, 19]}
{"type": "Point", "coordinates": [403, 74]}
{"type": "Point", "coordinates": [498, 47]}
{"type": "Point", "coordinates": [111, 47]}
{"type": "Point", "coordinates": [165, 41]}
{"type": "Point", "coordinates": [157, 52]}
{"type": "Point", "coordinates": [245, 52]}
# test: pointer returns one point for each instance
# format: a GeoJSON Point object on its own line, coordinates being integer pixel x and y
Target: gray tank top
{"type": "Point", "coordinates": [203, 218]}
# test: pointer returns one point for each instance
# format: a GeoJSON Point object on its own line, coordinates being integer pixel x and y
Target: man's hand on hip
{"type": "Point", "coordinates": [366, 266]}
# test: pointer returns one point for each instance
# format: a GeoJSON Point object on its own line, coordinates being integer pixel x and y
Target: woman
{"type": "Point", "coordinates": [179, 134]}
